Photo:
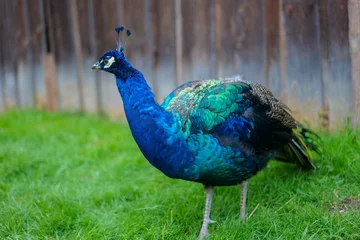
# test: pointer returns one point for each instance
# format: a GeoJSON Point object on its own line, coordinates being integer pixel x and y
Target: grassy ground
{"type": "Point", "coordinates": [67, 176]}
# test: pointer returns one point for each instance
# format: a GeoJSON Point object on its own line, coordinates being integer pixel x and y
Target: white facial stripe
{"type": "Point", "coordinates": [110, 62]}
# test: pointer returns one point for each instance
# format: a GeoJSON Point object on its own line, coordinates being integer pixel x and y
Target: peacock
{"type": "Point", "coordinates": [218, 132]}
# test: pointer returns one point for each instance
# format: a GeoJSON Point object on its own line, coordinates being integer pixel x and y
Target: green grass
{"type": "Point", "coordinates": [70, 176]}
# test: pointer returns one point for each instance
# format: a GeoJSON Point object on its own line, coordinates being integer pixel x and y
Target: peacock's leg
{"type": "Point", "coordinates": [243, 193]}
{"type": "Point", "coordinates": [209, 190]}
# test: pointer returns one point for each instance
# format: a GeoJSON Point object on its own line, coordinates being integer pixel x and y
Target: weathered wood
{"type": "Point", "coordinates": [106, 20]}
{"type": "Point", "coordinates": [324, 38]}
{"type": "Point", "coordinates": [66, 71]}
{"type": "Point", "coordinates": [51, 83]}
{"type": "Point", "coordinates": [93, 56]}
{"type": "Point", "coordinates": [3, 104]}
{"type": "Point", "coordinates": [283, 52]}
{"type": "Point", "coordinates": [249, 45]}
{"type": "Point", "coordinates": [354, 35]}
{"type": "Point", "coordinates": [78, 52]}
{"type": "Point", "coordinates": [212, 38]}
{"type": "Point", "coordinates": [304, 69]}
{"type": "Point", "coordinates": [155, 21]}
{"type": "Point", "coordinates": [11, 53]}
{"type": "Point", "coordinates": [200, 55]}
{"type": "Point", "coordinates": [40, 49]}
{"type": "Point", "coordinates": [178, 41]}
{"type": "Point", "coordinates": [166, 73]}
{"type": "Point", "coordinates": [23, 62]}
{"type": "Point", "coordinates": [299, 48]}
{"type": "Point", "coordinates": [225, 38]}
{"type": "Point", "coordinates": [149, 45]}
{"type": "Point", "coordinates": [31, 62]}
{"type": "Point", "coordinates": [339, 76]}
{"type": "Point", "coordinates": [188, 13]}
{"type": "Point", "coordinates": [272, 45]}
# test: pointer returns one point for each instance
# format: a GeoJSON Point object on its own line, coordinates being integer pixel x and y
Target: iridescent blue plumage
{"type": "Point", "coordinates": [216, 132]}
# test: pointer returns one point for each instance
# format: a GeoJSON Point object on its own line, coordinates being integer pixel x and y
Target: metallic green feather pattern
{"type": "Point", "coordinates": [205, 104]}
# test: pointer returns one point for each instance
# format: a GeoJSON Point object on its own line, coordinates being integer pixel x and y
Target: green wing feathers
{"type": "Point", "coordinates": [202, 105]}
{"type": "Point", "coordinates": [298, 150]}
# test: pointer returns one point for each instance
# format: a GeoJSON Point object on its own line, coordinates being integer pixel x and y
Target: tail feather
{"type": "Point", "coordinates": [298, 150]}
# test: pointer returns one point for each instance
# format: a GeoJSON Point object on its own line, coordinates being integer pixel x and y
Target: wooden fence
{"type": "Point", "coordinates": [306, 51]}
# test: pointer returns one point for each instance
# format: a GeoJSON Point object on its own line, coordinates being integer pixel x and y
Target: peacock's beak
{"type": "Point", "coordinates": [96, 66]}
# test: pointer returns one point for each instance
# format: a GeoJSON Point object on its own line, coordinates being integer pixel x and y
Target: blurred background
{"type": "Point", "coordinates": [306, 51]}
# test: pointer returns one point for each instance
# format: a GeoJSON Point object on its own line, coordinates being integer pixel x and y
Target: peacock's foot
{"type": "Point", "coordinates": [204, 232]}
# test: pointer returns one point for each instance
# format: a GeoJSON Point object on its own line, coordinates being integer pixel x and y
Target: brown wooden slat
{"type": "Point", "coordinates": [30, 60]}
{"type": "Point", "coordinates": [272, 46]}
{"type": "Point", "coordinates": [106, 20]}
{"type": "Point", "coordinates": [136, 44]}
{"type": "Point", "coordinates": [85, 28]}
{"type": "Point", "coordinates": [3, 105]}
{"type": "Point", "coordinates": [339, 81]}
{"type": "Point", "coordinates": [38, 27]}
{"type": "Point", "coordinates": [248, 28]}
{"type": "Point", "coordinates": [324, 39]}
{"type": "Point", "coordinates": [149, 45]}
{"type": "Point", "coordinates": [354, 35]}
{"type": "Point", "coordinates": [78, 52]}
{"type": "Point", "coordinates": [178, 41]}
{"type": "Point", "coordinates": [188, 13]}
{"type": "Point", "coordinates": [283, 52]}
{"type": "Point", "coordinates": [200, 55]}
{"type": "Point", "coordinates": [304, 69]}
{"type": "Point", "coordinates": [94, 93]}
{"type": "Point", "coordinates": [166, 74]}
{"type": "Point", "coordinates": [64, 52]}
{"type": "Point", "coordinates": [11, 53]}
{"type": "Point", "coordinates": [212, 38]}
{"type": "Point", "coordinates": [225, 38]}
{"type": "Point", "coordinates": [51, 83]}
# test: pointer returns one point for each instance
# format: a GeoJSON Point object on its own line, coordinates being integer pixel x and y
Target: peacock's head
{"type": "Point", "coordinates": [114, 60]}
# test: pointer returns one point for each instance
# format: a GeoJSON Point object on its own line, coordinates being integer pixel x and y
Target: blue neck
{"type": "Point", "coordinates": [153, 128]}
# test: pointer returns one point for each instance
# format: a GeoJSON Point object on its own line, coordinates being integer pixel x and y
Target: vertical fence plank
{"type": "Point", "coordinates": [200, 55]}
{"type": "Point", "coordinates": [166, 74]}
{"type": "Point", "coordinates": [339, 82]}
{"type": "Point", "coordinates": [11, 51]}
{"type": "Point", "coordinates": [78, 52]}
{"type": "Point", "coordinates": [31, 62]}
{"type": "Point", "coordinates": [283, 52]}
{"type": "Point", "coordinates": [106, 20]}
{"type": "Point", "coordinates": [225, 38]}
{"type": "Point", "coordinates": [87, 40]}
{"type": "Point", "coordinates": [94, 54]}
{"type": "Point", "coordinates": [178, 41]}
{"type": "Point", "coordinates": [3, 105]}
{"type": "Point", "coordinates": [149, 45]}
{"type": "Point", "coordinates": [23, 61]}
{"type": "Point", "coordinates": [39, 31]}
{"type": "Point", "coordinates": [249, 42]}
{"type": "Point", "coordinates": [66, 73]}
{"type": "Point", "coordinates": [212, 38]}
{"type": "Point", "coordinates": [50, 70]}
{"type": "Point", "coordinates": [304, 69]}
{"type": "Point", "coordinates": [188, 14]}
{"type": "Point", "coordinates": [354, 35]}
{"type": "Point", "coordinates": [272, 45]}
{"type": "Point", "coordinates": [324, 39]}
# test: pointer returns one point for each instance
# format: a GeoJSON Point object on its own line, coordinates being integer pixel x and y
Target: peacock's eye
{"type": "Point", "coordinates": [106, 61]}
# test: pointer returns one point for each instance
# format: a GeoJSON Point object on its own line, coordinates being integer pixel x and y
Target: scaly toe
{"type": "Point", "coordinates": [212, 221]}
